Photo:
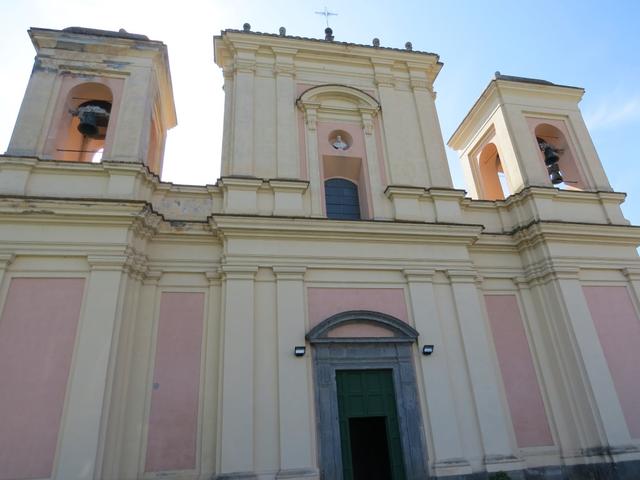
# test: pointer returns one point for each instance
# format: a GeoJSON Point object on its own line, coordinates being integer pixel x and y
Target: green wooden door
{"type": "Point", "coordinates": [369, 422]}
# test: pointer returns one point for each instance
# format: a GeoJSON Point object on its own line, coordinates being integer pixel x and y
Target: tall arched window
{"type": "Point", "coordinates": [341, 197]}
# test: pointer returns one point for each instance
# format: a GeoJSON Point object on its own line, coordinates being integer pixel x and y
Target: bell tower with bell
{"type": "Point", "coordinates": [96, 94]}
{"type": "Point", "coordinates": [525, 132]}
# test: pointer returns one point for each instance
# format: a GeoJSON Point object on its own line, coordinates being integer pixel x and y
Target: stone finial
{"type": "Point", "coordinates": [497, 73]}
{"type": "Point", "coordinates": [282, 31]}
{"type": "Point", "coordinates": [376, 42]}
{"type": "Point", "coordinates": [246, 27]}
{"type": "Point", "coordinates": [408, 46]}
{"type": "Point", "coordinates": [328, 34]}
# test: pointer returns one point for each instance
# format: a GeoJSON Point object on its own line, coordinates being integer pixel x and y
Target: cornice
{"type": "Point", "coordinates": [229, 226]}
{"type": "Point", "coordinates": [229, 38]}
{"type": "Point", "coordinates": [568, 232]}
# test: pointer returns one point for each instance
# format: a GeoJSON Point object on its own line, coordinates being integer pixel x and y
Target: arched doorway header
{"type": "Point", "coordinates": [401, 332]}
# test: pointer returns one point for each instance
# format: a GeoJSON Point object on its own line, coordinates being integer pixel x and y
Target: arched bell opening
{"type": "Point", "coordinates": [83, 123]}
{"type": "Point", "coordinates": [492, 175]}
{"type": "Point", "coordinates": [558, 158]}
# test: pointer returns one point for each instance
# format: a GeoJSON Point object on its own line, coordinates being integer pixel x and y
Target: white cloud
{"type": "Point", "coordinates": [614, 113]}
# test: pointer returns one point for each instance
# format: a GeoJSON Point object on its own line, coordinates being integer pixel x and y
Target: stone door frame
{"type": "Point", "coordinates": [394, 353]}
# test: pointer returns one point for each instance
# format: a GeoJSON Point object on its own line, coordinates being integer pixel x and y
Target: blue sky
{"type": "Point", "coordinates": [591, 44]}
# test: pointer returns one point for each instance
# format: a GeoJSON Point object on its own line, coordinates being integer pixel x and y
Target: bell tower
{"type": "Point", "coordinates": [527, 132]}
{"type": "Point", "coordinates": [96, 94]}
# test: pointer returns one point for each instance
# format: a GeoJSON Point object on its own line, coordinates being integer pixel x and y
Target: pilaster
{"type": "Point", "coordinates": [6, 259]}
{"type": "Point", "coordinates": [28, 133]}
{"type": "Point", "coordinates": [288, 197]}
{"type": "Point", "coordinates": [210, 379]}
{"type": "Point", "coordinates": [134, 118]}
{"type": "Point", "coordinates": [240, 194]}
{"type": "Point", "coordinates": [606, 406]}
{"type": "Point", "coordinates": [132, 457]}
{"type": "Point", "coordinates": [286, 131]}
{"type": "Point", "coordinates": [88, 389]}
{"type": "Point", "coordinates": [311, 140]}
{"type": "Point", "coordinates": [296, 442]}
{"type": "Point", "coordinates": [482, 368]}
{"type": "Point", "coordinates": [236, 395]}
{"type": "Point", "coordinates": [406, 202]}
{"type": "Point", "coordinates": [445, 433]}
{"type": "Point", "coordinates": [242, 143]}
{"type": "Point", "coordinates": [433, 145]}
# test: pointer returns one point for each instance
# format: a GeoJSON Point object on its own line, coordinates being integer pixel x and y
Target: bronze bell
{"type": "Point", "coordinates": [551, 159]}
{"type": "Point", "coordinates": [94, 118]}
{"type": "Point", "coordinates": [88, 124]}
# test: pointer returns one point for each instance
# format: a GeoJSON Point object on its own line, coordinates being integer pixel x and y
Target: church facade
{"type": "Point", "coordinates": [332, 308]}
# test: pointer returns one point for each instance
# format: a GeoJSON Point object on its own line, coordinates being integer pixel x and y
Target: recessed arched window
{"type": "Point", "coordinates": [341, 197]}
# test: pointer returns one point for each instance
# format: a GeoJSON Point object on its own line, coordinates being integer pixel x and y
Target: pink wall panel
{"type": "Point", "coordinates": [618, 328]}
{"type": "Point", "coordinates": [174, 402]}
{"type": "Point", "coordinates": [37, 335]}
{"type": "Point", "coordinates": [325, 302]}
{"type": "Point", "coordinates": [518, 374]}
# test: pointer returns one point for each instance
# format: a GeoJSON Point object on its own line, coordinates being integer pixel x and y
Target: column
{"type": "Point", "coordinates": [606, 406]}
{"type": "Point", "coordinates": [445, 434]}
{"type": "Point", "coordinates": [236, 394]}
{"type": "Point", "coordinates": [286, 130]}
{"type": "Point", "coordinates": [491, 412]}
{"type": "Point", "coordinates": [87, 394]}
{"type": "Point", "coordinates": [295, 415]}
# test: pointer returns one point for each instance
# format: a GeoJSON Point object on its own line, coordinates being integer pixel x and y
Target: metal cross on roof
{"type": "Point", "coordinates": [326, 13]}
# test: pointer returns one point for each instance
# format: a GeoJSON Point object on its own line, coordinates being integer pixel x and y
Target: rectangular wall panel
{"type": "Point", "coordinates": [37, 335]}
{"type": "Point", "coordinates": [618, 329]}
{"type": "Point", "coordinates": [518, 373]}
{"type": "Point", "coordinates": [325, 302]}
{"type": "Point", "coordinates": [173, 420]}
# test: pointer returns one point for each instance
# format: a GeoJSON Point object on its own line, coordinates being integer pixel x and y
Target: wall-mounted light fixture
{"type": "Point", "coordinates": [299, 350]}
{"type": "Point", "coordinates": [427, 349]}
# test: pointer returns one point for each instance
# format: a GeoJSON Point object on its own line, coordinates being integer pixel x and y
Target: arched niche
{"type": "Point", "coordinates": [492, 176]}
{"type": "Point", "coordinates": [366, 340]}
{"type": "Point", "coordinates": [573, 179]}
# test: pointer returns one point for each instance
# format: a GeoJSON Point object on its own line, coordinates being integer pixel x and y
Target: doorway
{"type": "Point", "coordinates": [369, 432]}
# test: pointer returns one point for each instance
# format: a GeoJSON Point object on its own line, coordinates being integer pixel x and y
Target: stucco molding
{"type": "Point", "coordinates": [403, 333]}
{"type": "Point", "coordinates": [315, 98]}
